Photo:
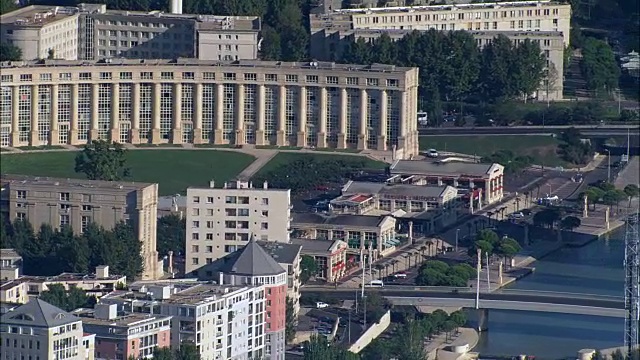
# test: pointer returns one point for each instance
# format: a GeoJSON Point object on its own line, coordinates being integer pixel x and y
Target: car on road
{"type": "Point", "coordinates": [432, 153]}
{"type": "Point", "coordinates": [400, 275]}
{"type": "Point", "coordinates": [321, 305]}
{"type": "Point", "coordinates": [516, 216]}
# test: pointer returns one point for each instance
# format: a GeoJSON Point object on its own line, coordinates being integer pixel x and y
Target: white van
{"type": "Point", "coordinates": [423, 118]}
{"type": "Point", "coordinates": [375, 284]}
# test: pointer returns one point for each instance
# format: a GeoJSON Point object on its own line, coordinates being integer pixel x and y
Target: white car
{"type": "Point", "coordinates": [518, 215]}
{"type": "Point", "coordinates": [400, 275]}
{"type": "Point", "coordinates": [321, 305]}
{"type": "Point", "coordinates": [432, 153]}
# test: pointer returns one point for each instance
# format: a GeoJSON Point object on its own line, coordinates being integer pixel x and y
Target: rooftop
{"type": "Point", "coordinates": [88, 317]}
{"type": "Point", "coordinates": [251, 260]}
{"type": "Point", "coordinates": [317, 246]}
{"type": "Point", "coordinates": [361, 187]}
{"type": "Point", "coordinates": [247, 64]}
{"type": "Point", "coordinates": [282, 253]}
{"type": "Point", "coordinates": [192, 293]}
{"type": "Point", "coordinates": [38, 313]}
{"type": "Point", "coordinates": [9, 253]}
{"type": "Point", "coordinates": [448, 7]}
{"type": "Point", "coordinates": [238, 185]}
{"type": "Point", "coordinates": [36, 16]}
{"type": "Point", "coordinates": [509, 34]}
{"type": "Point", "coordinates": [362, 221]}
{"type": "Point", "coordinates": [74, 184]}
{"type": "Point", "coordinates": [450, 168]}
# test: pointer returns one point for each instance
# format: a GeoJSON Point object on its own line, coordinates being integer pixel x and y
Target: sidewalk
{"type": "Point", "coordinates": [435, 348]}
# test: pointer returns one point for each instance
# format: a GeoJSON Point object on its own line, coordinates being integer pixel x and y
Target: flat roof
{"type": "Point", "coordinates": [363, 187]}
{"type": "Point", "coordinates": [37, 16]}
{"type": "Point", "coordinates": [448, 7]}
{"type": "Point", "coordinates": [71, 183]}
{"type": "Point", "coordinates": [88, 317]}
{"type": "Point", "coordinates": [202, 293]}
{"type": "Point", "coordinates": [245, 64]}
{"type": "Point", "coordinates": [481, 33]}
{"type": "Point", "coordinates": [337, 220]}
{"type": "Point", "coordinates": [450, 168]}
{"type": "Point", "coordinates": [282, 253]}
{"type": "Point", "coordinates": [203, 22]}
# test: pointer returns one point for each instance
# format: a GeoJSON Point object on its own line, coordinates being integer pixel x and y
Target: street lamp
{"type": "Point", "coordinates": [457, 235]}
{"type": "Point", "coordinates": [609, 167]}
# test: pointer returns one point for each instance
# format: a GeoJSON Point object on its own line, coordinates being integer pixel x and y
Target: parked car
{"type": "Point", "coordinates": [321, 305]}
{"type": "Point", "coordinates": [432, 153]}
{"type": "Point", "coordinates": [516, 216]}
{"type": "Point", "coordinates": [400, 275]}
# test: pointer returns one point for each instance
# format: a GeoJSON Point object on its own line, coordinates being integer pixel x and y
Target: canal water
{"type": "Point", "coordinates": [596, 268]}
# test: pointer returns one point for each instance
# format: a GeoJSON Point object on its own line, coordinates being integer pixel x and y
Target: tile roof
{"type": "Point", "coordinates": [282, 253]}
{"type": "Point", "coordinates": [250, 260]}
{"type": "Point", "coordinates": [38, 313]}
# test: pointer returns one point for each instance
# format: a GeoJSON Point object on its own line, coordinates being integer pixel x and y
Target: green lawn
{"type": "Point", "coordinates": [174, 170]}
{"type": "Point", "coordinates": [542, 148]}
{"type": "Point", "coordinates": [287, 157]}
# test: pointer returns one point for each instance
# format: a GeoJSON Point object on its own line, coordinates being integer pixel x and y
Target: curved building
{"type": "Point", "coordinates": [317, 104]}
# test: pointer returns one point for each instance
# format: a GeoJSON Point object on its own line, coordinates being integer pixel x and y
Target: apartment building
{"type": "Point", "coordinates": [77, 203]}
{"type": "Point", "coordinates": [121, 336]}
{"type": "Point", "coordinates": [223, 321]}
{"type": "Point", "coordinates": [23, 288]}
{"type": "Point", "coordinates": [40, 331]}
{"type": "Point", "coordinates": [92, 32]}
{"type": "Point", "coordinates": [324, 105]}
{"type": "Point", "coordinates": [252, 265]}
{"type": "Point", "coordinates": [222, 220]}
{"type": "Point", "coordinates": [493, 16]}
{"type": "Point", "coordinates": [330, 257]}
{"type": "Point", "coordinates": [37, 30]}
{"type": "Point", "coordinates": [372, 235]}
{"type": "Point", "coordinates": [10, 263]}
{"type": "Point", "coordinates": [289, 257]}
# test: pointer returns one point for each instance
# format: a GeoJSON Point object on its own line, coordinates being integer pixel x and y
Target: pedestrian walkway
{"type": "Point", "coordinates": [261, 160]}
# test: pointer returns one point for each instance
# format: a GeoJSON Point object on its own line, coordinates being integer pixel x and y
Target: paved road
{"type": "Point", "coordinates": [602, 131]}
{"type": "Point", "coordinates": [549, 298]}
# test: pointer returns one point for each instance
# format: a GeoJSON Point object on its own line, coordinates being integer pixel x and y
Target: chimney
{"type": "Point", "coordinates": [265, 185]}
{"type": "Point", "coordinates": [212, 184]}
{"type": "Point", "coordinates": [176, 6]}
{"type": "Point", "coordinates": [102, 271]}
{"type": "Point", "coordinates": [106, 311]}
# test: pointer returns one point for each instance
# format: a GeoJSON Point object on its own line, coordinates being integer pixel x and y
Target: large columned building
{"type": "Point", "coordinates": [195, 101]}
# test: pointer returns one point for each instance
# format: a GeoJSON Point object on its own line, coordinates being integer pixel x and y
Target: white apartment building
{"type": "Point", "coordinates": [224, 322]}
{"type": "Point", "coordinates": [495, 16]}
{"type": "Point", "coordinates": [37, 29]}
{"type": "Point", "coordinates": [222, 220]}
{"type": "Point", "coordinates": [41, 331]}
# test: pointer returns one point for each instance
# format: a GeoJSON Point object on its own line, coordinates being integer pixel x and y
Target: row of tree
{"type": "Point", "coordinates": [599, 66]}
{"type": "Point", "coordinates": [573, 149]}
{"type": "Point", "coordinates": [512, 163]}
{"type": "Point", "coordinates": [452, 67]}
{"type": "Point", "coordinates": [439, 273]}
{"type": "Point", "coordinates": [490, 243]}
{"type": "Point", "coordinates": [53, 251]}
{"type": "Point", "coordinates": [309, 172]}
{"type": "Point", "coordinates": [607, 194]}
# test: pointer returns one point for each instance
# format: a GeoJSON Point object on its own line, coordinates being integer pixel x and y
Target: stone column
{"type": "Point", "coordinates": [302, 118]}
{"type": "Point", "coordinates": [362, 125]}
{"type": "Point", "coordinates": [197, 113]}
{"type": "Point", "coordinates": [488, 191]}
{"type": "Point", "coordinates": [176, 125]}
{"type": "Point", "coordinates": [322, 118]}
{"type": "Point", "coordinates": [53, 131]}
{"type": "Point", "coordinates": [135, 113]}
{"type": "Point", "coordinates": [95, 97]}
{"type": "Point", "coordinates": [607, 212]}
{"type": "Point", "coordinates": [402, 140]}
{"type": "Point", "coordinates": [585, 208]}
{"type": "Point", "coordinates": [155, 114]}
{"type": "Point", "coordinates": [15, 115]}
{"type": "Point", "coordinates": [115, 112]}
{"type": "Point", "coordinates": [281, 134]}
{"type": "Point", "coordinates": [73, 128]}
{"type": "Point", "coordinates": [239, 133]}
{"type": "Point", "coordinates": [35, 105]}
{"type": "Point", "coordinates": [217, 133]}
{"type": "Point", "coordinates": [342, 135]}
{"type": "Point", "coordinates": [382, 136]}
{"type": "Point", "coordinates": [260, 115]}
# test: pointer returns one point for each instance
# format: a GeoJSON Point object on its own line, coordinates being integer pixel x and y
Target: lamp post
{"type": "Point", "coordinates": [609, 167]}
{"type": "Point", "coordinates": [457, 235]}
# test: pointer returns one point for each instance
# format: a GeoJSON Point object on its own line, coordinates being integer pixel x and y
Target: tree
{"type": "Point", "coordinates": [617, 355]}
{"type": "Point", "coordinates": [103, 160]}
{"type": "Point", "coordinates": [10, 52]}
{"type": "Point", "coordinates": [632, 190]}
{"type": "Point", "coordinates": [508, 248]}
{"type": "Point", "coordinates": [308, 268]}
{"type": "Point", "coordinates": [574, 149]}
{"type": "Point", "coordinates": [599, 66]}
{"type": "Point", "coordinates": [598, 356]}
{"type": "Point", "coordinates": [7, 6]}
{"type": "Point", "coordinates": [66, 300]}
{"type": "Point", "coordinates": [171, 234]}
{"type": "Point", "coordinates": [528, 68]}
{"type": "Point", "coordinates": [187, 351]}
{"type": "Point", "coordinates": [318, 349]}
{"type": "Point", "coordinates": [291, 321]}
{"type": "Point", "coordinates": [163, 353]}
{"type": "Point", "coordinates": [569, 223]}
{"type": "Point", "coordinates": [546, 217]}
{"type": "Point", "coordinates": [51, 54]}
{"type": "Point", "coordinates": [411, 342]}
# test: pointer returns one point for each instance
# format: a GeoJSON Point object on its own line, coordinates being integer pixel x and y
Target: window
{"type": "Point", "coordinates": [209, 224]}
{"type": "Point", "coordinates": [105, 76]}
{"type": "Point", "coordinates": [195, 212]}
{"type": "Point", "coordinates": [352, 81]}
{"type": "Point", "coordinates": [64, 220]}
{"type": "Point", "coordinates": [166, 75]}
{"type": "Point", "coordinates": [229, 76]}
{"type": "Point", "coordinates": [146, 75]}
{"type": "Point", "coordinates": [265, 201]}
{"type": "Point", "coordinates": [209, 249]}
{"type": "Point", "coordinates": [270, 77]}
{"type": "Point", "coordinates": [243, 212]}
{"type": "Point", "coordinates": [85, 76]}
{"type": "Point", "coordinates": [195, 224]}
{"type": "Point", "coordinates": [251, 77]}
{"type": "Point", "coordinates": [372, 82]}
{"type": "Point", "coordinates": [332, 80]}
{"type": "Point", "coordinates": [126, 75]}
{"type": "Point", "coordinates": [27, 77]}
{"type": "Point", "coordinates": [195, 236]}
{"type": "Point", "coordinates": [195, 248]}
{"type": "Point", "coordinates": [85, 220]}
{"type": "Point", "coordinates": [196, 199]}
{"type": "Point", "coordinates": [86, 207]}
{"type": "Point", "coordinates": [392, 82]}
{"type": "Point", "coordinates": [21, 194]}
{"type": "Point", "coordinates": [264, 226]}
{"type": "Point", "coordinates": [209, 199]}
{"type": "Point", "coordinates": [21, 216]}
{"type": "Point", "coordinates": [64, 196]}
{"type": "Point", "coordinates": [188, 75]}
{"type": "Point", "coordinates": [265, 213]}
{"type": "Point", "coordinates": [209, 76]}
{"type": "Point", "coordinates": [230, 200]}
{"type": "Point", "coordinates": [45, 77]}
{"type": "Point", "coordinates": [194, 261]}
{"type": "Point", "coordinates": [312, 79]}
{"type": "Point", "coordinates": [291, 78]}
{"type": "Point", "coordinates": [209, 212]}
{"type": "Point", "coordinates": [209, 236]}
